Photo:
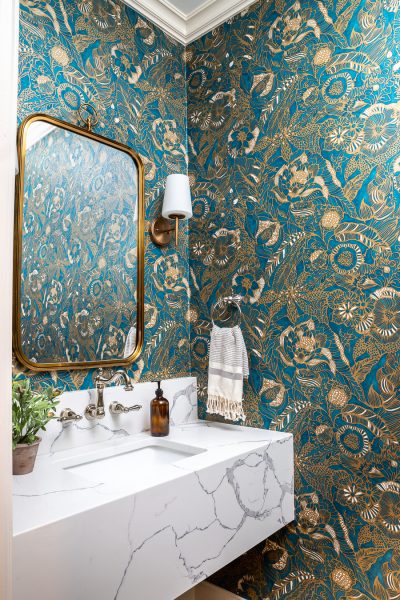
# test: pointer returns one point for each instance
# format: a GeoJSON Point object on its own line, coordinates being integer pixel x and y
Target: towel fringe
{"type": "Point", "coordinates": [218, 405]}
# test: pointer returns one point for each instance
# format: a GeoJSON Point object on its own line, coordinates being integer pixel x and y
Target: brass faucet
{"type": "Point", "coordinates": [96, 411]}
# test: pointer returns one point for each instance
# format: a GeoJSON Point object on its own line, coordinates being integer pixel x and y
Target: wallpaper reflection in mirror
{"type": "Point", "coordinates": [79, 253]}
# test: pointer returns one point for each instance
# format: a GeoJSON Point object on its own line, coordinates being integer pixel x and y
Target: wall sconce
{"type": "Point", "coordinates": [177, 205]}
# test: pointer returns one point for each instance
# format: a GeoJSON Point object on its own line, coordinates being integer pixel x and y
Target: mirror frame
{"type": "Point", "coordinates": [18, 224]}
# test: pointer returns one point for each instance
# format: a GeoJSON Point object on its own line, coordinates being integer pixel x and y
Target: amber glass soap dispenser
{"type": "Point", "coordinates": [159, 414]}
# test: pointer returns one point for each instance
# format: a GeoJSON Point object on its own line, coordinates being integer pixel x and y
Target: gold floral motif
{"type": "Point", "coordinates": [331, 219]}
{"type": "Point", "coordinates": [60, 55]}
{"type": "Point", "coordinates": [338, 396]}
{"type": "Point", "coordinates": [342, 578]}
{"type": "Point", "coordinates": [322, 55]}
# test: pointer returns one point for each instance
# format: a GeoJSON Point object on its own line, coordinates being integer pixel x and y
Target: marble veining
{"type": "Point", "coordinates": [184, 405]}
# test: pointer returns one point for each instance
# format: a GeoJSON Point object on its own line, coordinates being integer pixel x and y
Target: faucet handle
{"type": "Point", "coordinates": [93, 411]}
{"type": "Point", "coordinates": [116, 408]}
{"type": "Point", "coordinates": [68, 415]}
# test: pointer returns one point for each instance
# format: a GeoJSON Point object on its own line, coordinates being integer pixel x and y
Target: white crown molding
{"type": "Point", "coordinates": [157, 11]}
{"type": "Point", "coordinates": [187, 27]}
{"type": "Point", "coordinates": [212, 14]}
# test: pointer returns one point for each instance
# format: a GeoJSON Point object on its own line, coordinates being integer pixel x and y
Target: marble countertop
{"type": "Point", "coordinates": [52, 493]}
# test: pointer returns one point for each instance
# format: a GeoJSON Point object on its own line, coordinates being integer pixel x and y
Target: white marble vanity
{"type": "Point", "coordinates": [134, 517]}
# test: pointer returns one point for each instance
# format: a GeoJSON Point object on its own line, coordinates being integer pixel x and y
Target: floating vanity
{"type": "Point", "coordinates": [132, 517]}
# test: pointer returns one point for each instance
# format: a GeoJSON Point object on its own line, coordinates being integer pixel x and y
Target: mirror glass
{"type": "Point", "coordinates": [79, 248]}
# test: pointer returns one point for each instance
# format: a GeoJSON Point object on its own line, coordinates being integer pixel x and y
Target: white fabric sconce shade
{"type": "Point", "coordinates": [177, 199]}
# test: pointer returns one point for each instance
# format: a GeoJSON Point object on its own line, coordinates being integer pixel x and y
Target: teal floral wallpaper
{"type": "Point", "coordinates": [294, 141]}
{"type": "Point", "coordinates": [79, 250]}
{"type": "Point", "coordinates": [103, 52]}
{"type": "Point", "coordinates": [293, 137]}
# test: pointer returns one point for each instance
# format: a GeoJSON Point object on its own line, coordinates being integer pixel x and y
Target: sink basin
{"type": "Point", "coordinates": [123, 465]}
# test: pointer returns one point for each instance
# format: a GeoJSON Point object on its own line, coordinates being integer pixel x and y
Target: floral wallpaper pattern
{"type": "Point", "coordinates": [293, 122]}
{"type": "Point", "coordinates": [103, 52]}
{"type": "Point", "coordinates": [79, 256]}
{"type": "Point", "coordinates": [294, 140]}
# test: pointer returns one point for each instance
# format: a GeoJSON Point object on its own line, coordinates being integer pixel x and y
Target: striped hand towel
{"type": "Point", "coordinates": [228, 365]}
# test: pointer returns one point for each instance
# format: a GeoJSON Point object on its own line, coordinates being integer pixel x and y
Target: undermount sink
{"type": "Point", "coordinates": [124, 465]}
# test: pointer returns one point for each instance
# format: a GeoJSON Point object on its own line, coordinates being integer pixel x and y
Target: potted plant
{"type": "Point", "coordinates": [31, 411]}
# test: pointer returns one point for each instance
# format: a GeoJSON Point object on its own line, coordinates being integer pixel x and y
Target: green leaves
{"type": "Point", "coordinates": [31, 411]}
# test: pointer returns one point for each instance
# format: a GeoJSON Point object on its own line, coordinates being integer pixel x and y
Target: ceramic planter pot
{"type": "Point", "coordinates": [24, 456]}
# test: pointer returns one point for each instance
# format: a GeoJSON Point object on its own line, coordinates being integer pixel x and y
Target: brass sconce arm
{"type": "Point", "coordinates": [160, 230]}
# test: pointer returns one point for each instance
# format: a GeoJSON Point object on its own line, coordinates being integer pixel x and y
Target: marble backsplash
{"type": "Point", "coordinates": [181, 393]}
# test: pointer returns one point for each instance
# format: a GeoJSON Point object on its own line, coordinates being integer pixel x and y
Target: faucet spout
{"type": "Point", "coordinates": [120, 374]}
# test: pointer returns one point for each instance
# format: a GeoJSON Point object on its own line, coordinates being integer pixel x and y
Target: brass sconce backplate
{"type": "Point", "coordinates": [160, 231]}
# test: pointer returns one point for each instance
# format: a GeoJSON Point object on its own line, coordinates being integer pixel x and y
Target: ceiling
{"type": "Point", "coordinates": [187, 20]}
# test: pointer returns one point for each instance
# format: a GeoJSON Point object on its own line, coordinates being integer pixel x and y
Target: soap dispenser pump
{"type": "Point", "coordinates": [159, 414]}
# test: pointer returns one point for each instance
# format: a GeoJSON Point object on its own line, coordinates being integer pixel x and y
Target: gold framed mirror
{"type": "Point", "coordinates": [78, 248]}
